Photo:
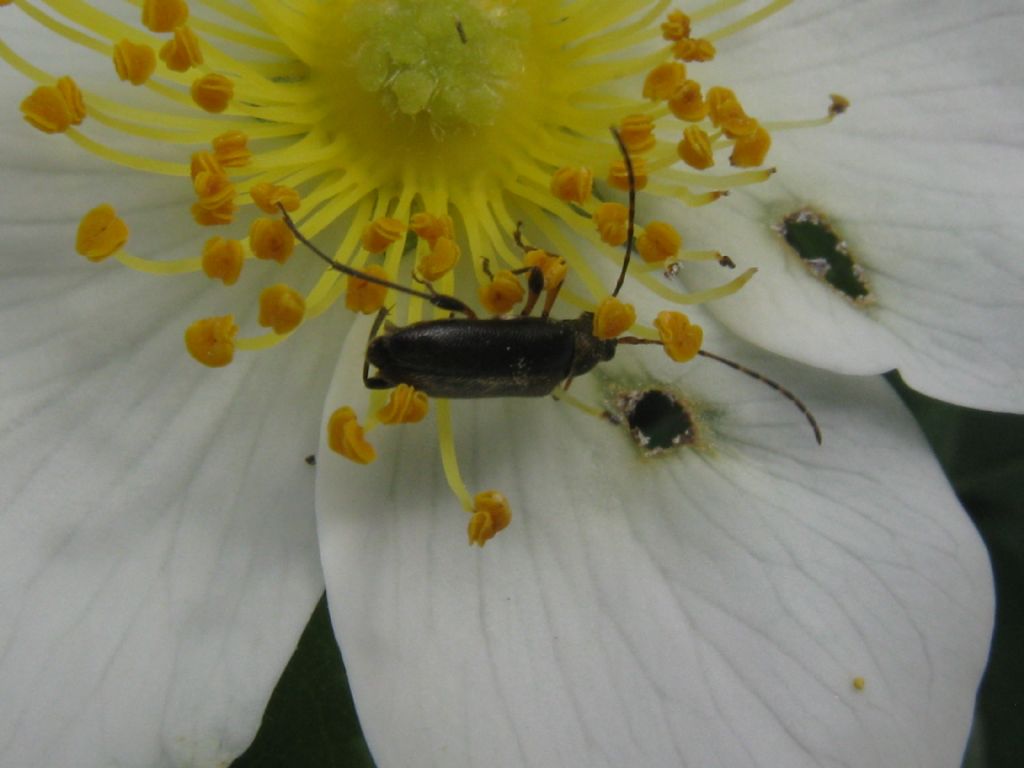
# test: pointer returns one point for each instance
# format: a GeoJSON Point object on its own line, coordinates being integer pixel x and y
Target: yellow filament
{"type": "Point", "coordinates": [449, 461]}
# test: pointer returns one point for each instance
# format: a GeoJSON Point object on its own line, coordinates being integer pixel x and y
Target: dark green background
{"type": "Point", "coordinates": [311, 721]}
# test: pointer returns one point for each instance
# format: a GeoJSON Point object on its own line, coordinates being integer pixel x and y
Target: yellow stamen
{"type": "Point", "coordinates": [405, 406]}
{"type": "Point", "coordinates": [637, 133]}
{"type": "Point", "coordinates": [676, 26]}
{"type": "Point", "coordinates": [613, 317]}
{"type": "Point", "coordinates": [502, 293]}
{"type": "Point", "coordinates": [164, 15]}
{"type": "Point", "coordinates": [347, 437]}
{"type": "Point", "coordinates": [572, 185]}
{"type": "Point", "coordinates": [213, 92]}
{"type": "Point", "coordinates": [694, 49]}
{"type": "Point", "coordinates": [364, 296]}
{"type": "Point", "coordinates": [46, 110]}
{"type": "Point", "coordinates": [695, 149]}
{"type": "Point", "coordinates": [662, 81]}
{"type": "Point", "coordinates": [281, 308]}
{"type": "Point", "coordinates": [216, 199]}
{"type": "Point", "coordinates": [204, 162]}
{"type": "Point", "coordinates": [723, 105]}
{"type": "Point", "coordinates": [223, 259]}
{"type": "Point", "coordinates": [552, 267]}
{"type": "Point", "coordinates": [134, 62]}
{"type": "Point", "coordinates": [382, 232]}
{"type": "Point", "coordinates": [231, 149]}
{"type": "Point", "coordinates": [491, 514]}
{"type": "Point", "coordinates": [749, 151]}
{"type": "Point", "coordinates": [439, 260]}
{"type": "Point", "coordinates": [430, 227]}
{"type": "Point", "coordinates": [271, 239]}
{"type": "Point", "coordinates": [73, 98]}
{"type": "Point", "coordinates": [612, 220]}
{"type": "Point", "coordinates": [267, 196]}
{"type": "Point", "coordinates": [101, 232]}
{"type": "Point", "coordinates": [182, 52]}
{"type": "Point", "coordinates": [619, 179]}
{"type": "Point", "coordinates": [687, 103]}
{"type": "Point", "coordinates": [680, 337]}
{"type": "Point", "coordinates": [659, 241]}
{"type": "Point", "coordinates": [211, 340]}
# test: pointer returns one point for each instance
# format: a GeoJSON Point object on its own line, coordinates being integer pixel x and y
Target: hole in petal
{"type": "Point", "coordinates": [824, 253]}
{"type": "Point", "coordinates": [657, 420]}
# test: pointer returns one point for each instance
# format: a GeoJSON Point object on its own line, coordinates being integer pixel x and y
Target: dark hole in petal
{"type": "Point", "coordinates": [824, 253]}
{"type": "Point", "coordinates": [657, 420]}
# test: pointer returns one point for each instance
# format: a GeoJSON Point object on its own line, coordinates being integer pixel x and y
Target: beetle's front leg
{"type": "Point", "coordinates": [375, 382]}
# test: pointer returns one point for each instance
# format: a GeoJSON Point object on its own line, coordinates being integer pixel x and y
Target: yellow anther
{"type": "Point", "coordinates": [182, 52]}
{"type": "Point", "coordinates": [612, 222]}
{"type": "Point", "coordinates": [739, 126]}
{"type": "Point", "coordinates": [613, 317]}
{"type": "Point", "coordinates": [502, 293]}
{"type": "Point", "coordinates": [281, 308]}
{"type": "Point", "coordinates": [271, 239]}
{"type": "Point", "coordinates": [662, 81]}
{"type": "Point", "coordinates": [267, 196]}
{"type": "Point", "coordinates": [382, 232]}
{"type": "Point", "coordinates": [552, 267]}
{"type": "Point", "coordinates": [101, 232]}
{"type": "Point", "coordinates": [723, 105]}
{"type": "Point", "coordinates": [46, 110]}
{"type": "Point", "coordinates": [134, 62]}
{"type": "Point", "coordinates": [364, 296]}
{"type": "Point", "coordinates": [211, 340]}
{"type": "Point", "coordinates": [72, 96]}
{"type": "Point", "coordinates": [680, 337]}
{"type": "Point", "coordinates": [637, 133]}
{"type": "Point", "coordinates": [676, 26]}
{"type": "Point", "coordinates": [204, 162]}
{"type": "Point", "coordinates": [223, 259]}
{"type": "Point", "coordinates": [439, 260]}
{"type": "Point", "coordinates": [694, 49]}
{"type": "Point", "coordinates": [659, 241]}
{"type": "Point", "coordinates": [695, 148]}
{"type": "Point", "coordinates": [619, 179]}
{"type": "Point", "coordinates": [491, 514]}
{"type": "Point", "coordinates": [749, 151]}
{"type": "Point", "coordinates": [405, 406]}
{"type": "Point", "coordinates": [215, 202]}
{"type": "Point", "coordinates": [687, 103]}
{"type": "Point", "coordinates": [431, 227]}
{"type": "Point", "coordinates": [232, 150]}
{"type": "Point", "coordinates": [164, 15]}
{"type": "Point", "coordinates": [346, 436]}
{"type": "Point", "coordinates": [213, 92]}
{"type": "Point", "coordinates": [572, 185]}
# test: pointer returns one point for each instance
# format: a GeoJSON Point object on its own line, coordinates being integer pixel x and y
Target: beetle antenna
{"type": "Point", "coordinates": [439, 300]}
{"type": "Point", "coordinates": [631, 177]}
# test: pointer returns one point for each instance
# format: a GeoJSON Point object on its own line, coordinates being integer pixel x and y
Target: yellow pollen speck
{"type": "Point", "coordinates": [694, 49]}
{"type": "Point", "coordinates": [619, 179]}
{"type": "Point", "coordinates": [502, 293]}
{"type": "Point", "coordinates": [213, 92]}
{"type": "Point", "coordinates": [612, 222]}
{"type": "Point", "coordinates": [695, 148]}
{"type": "Point", "coordinates": [267, 196]}
{"type": "Point", "coordinates": [859, 683]}
{"type": "Point", "coordinates": [440, 260]}
{"type": "Point", "coordinates": [164, 15]}
{"type": "Point", "coordinates": [572, 185]}
{"type": "Point", "coordinates": [346, 436]}
{"type": "Point", "coordinates": [659, 241]}
{"type": "Point", "coordinates": [431, 227]}
{"type": "Point", "coordinates": [680, 337]}
{"type": "Point", "coordinates": [204, 162]}
{"type": "Point", "coordinates": [662, 81]}
{"type": "Point", "coordinates": [613, 317]}
{"type": "Point", "coordinates": [491, 514]}
{"type": "Point", "coordinates": [211, 340]}
{"type": "Point", "coordinates": [750, 150]}
{"type": "Point", "coordinates": [637, 133]}
{"type": "Point", "coordinates": [134, 62]}
{"type": "Point", "coordinates": [281, 308]}
{"type": "Point", "coordinates": [687, 103]}
{"type": "Point", "coordinates": [382, 232]}
{"type": "Point", "coordinates": [405, 406]}
{"type": "Point", "coordinates": [215, 198]}
{"type": "Point", "coordinates": [676, 26]}
{"type": "Point", "coordinates": [101, 233]}
{"type": "Point", "coordinates": [232, 150]}
{"type": "Point", "coordinates": [271, 239]}
{"type": "Point", "coordinates": [222, 259]}
{"type": "Point", "coordinates": [364, 296]}
{"type": "Point", "coordinates": [552, 267]}
{"type": "Point", "coordinates": [182, 52]}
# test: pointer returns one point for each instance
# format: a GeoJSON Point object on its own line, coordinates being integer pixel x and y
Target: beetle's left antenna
{"type": "Point", "coordinates": [631, 178]}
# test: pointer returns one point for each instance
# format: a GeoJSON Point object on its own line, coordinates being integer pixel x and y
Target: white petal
{"type": "Point", "coordinates": [922, 177]}
{"type": "Point", "coordinates": [709, 608]}
{"type": "Point", "coordinates": [157, 545]}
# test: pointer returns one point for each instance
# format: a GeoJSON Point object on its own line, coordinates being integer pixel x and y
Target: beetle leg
{"type": "Point", "coordinates": [535, 284]}
{"type": "Point", "coordinates": [518, 237]}
{"type": "Point", "coordinates": [549, 302]}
